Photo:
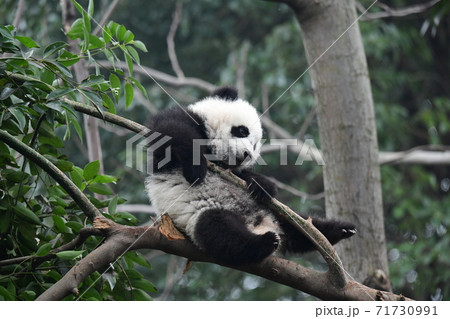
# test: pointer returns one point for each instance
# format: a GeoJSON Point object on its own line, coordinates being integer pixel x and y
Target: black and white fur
{"type": "Point", "coordinates": [229, 223]}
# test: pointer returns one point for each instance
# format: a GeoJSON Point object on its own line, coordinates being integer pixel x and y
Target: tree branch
{"type": "Point", "coordinates": [164, 77]}
{"type": "Point", "coordinates": [18, 15]}
{"type": "Point", "coordinates": [170, 40]}
{"type": "Point", "coordinates": [392, 12]}
{"type": "Point", "coordinates": [296, 192]}
{"type": "Point", "coordinates": [106, 17]}
{"type": "Point", "coordinates": [37, 260]}
{"type": "Point", "coordinates": [82, 201]}
{"type": "Point", "coordinates": [120, 239]}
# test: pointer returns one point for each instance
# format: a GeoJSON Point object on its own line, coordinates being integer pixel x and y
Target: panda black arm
{"type": "Point", "coordinates": [261, 188]}
{"type": "Point", "coordinates": [333, 230]}
{"type": "Point", "coordinates": [183, 127]}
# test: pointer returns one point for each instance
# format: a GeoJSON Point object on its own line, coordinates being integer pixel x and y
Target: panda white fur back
{"type": "Point", "coordinates": [227, 222]}
{"type": "Point", "coordinates": [172, 194]}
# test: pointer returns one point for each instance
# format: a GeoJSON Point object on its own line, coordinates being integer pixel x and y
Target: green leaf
{"type": "Point", "coordinates": [129, 60]}
{"type": "Point", "coordinates": [137, 258]}
{"type": "Point", "coordinates": [68, 58]}
{"type": "Point", "coordinates": [128, 36]}
{"type": "Point", "coordinates": [140, 295]}
{"type": "Point", "coordinates": [127, 216]}
{"type": "Point", "coordinates": [140, 45]}
{"type": "Point", "coordinates": [28, 295]}
{"type": "Point", "coordinates": [113, 205]}
{"type": "Point", "coordinates": [5, 221]}
{"type": "Point", "coordinates": [15, 176]}
{"type": "Point", "coordinates": [65, 166]}
{"type": "Point", "coordinates": [7, 90]}
{"type": "Point", "coordinates": [60, 223]}
{"type": "Point", "coordinates": [76, 30]}
{"type": "Point", "coordinates": [102, 179]}
{"type": "Point", "coordinates": [91, 169]}
{"type": "Point", "coordinates": [101, 189]}
{"type": "Point", "coordinates": [132, 51]}
{"type": "Point", "coordinates": [6, 294]}
{"type": "Point", "coordinates": [77, 127]}
{"type": "Point", "coordinates": [44, 249]}
{"type": "Point", "coordinates": [95, 42]}
{"type": "Point", "coordinates": [59, 68]}
{"type": "Point", "coordinates": [26, 214]}
{"type": "Point", "coordinates": [91, 8]}
{"type": "Point", "coordinates": [120, 33]}
{"type": "Point", "coordinates": [26, 41]}
{"type": "Point", "coordinates": [69, 254]}
{"type": "Point", "coordinates": [129, 93]}
{"type": "Point", "coordinates": [78, 6]}
{"type": "Point", "coordinates": [20, 117]}
{"type": "Point", "coordinates": [59, 92]}
{"type": "Point", "coordinates": [94, 99]}
{"type": "Point", "coordinates": [75, 226]}
{"type": "Point", "coordinates": [108, 102]}
{"type": "Point", "coordinates": [59, 210]}
{"type": "Point", "coordinates": [144, 284]}
{"type": "Point", "coordinates": [138, 84]}
{"type": "Point", "coordinates": [76, 175]}
{"type": "Point", "coordinates": [93, 80]}
{"type": "Point", "coordinates": [115, 86]}
{"type": "Point", "coordinates": [54, 47]}
{"type": "Point", "coordinates": [47, 76]}
{"type": "Point", "coordinates": [106, 32]}
{"type": "Point", "coordinates": [111, 57]}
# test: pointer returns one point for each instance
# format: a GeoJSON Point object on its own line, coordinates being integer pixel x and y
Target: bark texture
{"type": "Point", "coordinates": [341, 84]}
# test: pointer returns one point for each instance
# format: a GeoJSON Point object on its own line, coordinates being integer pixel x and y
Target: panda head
{"type": "Point", "coordinates": [232, 126]}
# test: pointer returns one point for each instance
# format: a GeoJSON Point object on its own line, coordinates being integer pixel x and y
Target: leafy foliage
{"type": "Point", "coordinates": [37, 215]}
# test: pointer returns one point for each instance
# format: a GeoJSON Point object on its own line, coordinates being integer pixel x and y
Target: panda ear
{"type": "Point", "coordinates": [226, 93]}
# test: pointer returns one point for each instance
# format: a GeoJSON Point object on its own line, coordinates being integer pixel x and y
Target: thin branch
{"type": "Point", "coordinates": [392, 12]}
{"type": "Point", "coordinates": [113, 129]}
{"type": "Point", "coordinates": [106, 17]}
{"type": "Point", "coordinates": [426, 155]}
{"type": "Point", "coordinates": [137, 208]}
{"type": "Point", "coordinates": [171, 42]}
{"type": "Point", "coordinates": [296, 192]}
{"type": "Point", "coordinates": [241, 66]}
{"type": "Point", "coordinates": [76, 242]}
{"type": "Point", "coordinates": [164, 77]}
{"type": "Point", "coordinates": [306, 123]}
{"type": "Point", "coordinates": [18, 15]}
{"type": "Point", "coordinates": [82, 201]}
{"type": "Point", "coordinates": [109, 117]}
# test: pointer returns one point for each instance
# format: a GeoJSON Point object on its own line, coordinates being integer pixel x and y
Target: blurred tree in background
{"type": "Point", "coordinates": [255, 46]}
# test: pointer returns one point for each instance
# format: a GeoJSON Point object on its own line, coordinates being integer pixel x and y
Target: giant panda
{"type": "Point", "coordinates": [227, 222]}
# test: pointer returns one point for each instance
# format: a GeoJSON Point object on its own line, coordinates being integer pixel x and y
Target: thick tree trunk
{"type": "Point", "coordinates": [347, 129]}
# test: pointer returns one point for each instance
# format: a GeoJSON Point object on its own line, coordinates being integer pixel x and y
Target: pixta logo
{"type": "Point", "coordinates": [140, 149]}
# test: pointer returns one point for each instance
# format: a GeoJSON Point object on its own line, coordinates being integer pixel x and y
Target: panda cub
{"type": "Point", "coordinates": [228, 223]}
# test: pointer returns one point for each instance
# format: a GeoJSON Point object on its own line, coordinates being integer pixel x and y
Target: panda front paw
{"type": "Point", "coordinates": [261, 192]}
{"type": "Point", "coordinates": [260, 187]}
{"type": "Point", "coordinates": [348, 230]}
{"type": "Point", "coordinates": [267, 244]}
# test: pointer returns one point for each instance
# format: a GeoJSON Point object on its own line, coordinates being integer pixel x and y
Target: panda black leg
{"type": "Point", "coordinates": [224, 236]}
{"type": "Point", "coordinates": [333, 230]}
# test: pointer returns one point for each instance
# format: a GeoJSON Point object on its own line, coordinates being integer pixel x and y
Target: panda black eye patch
{"type": "Point", "coordinates": [240, 131]}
